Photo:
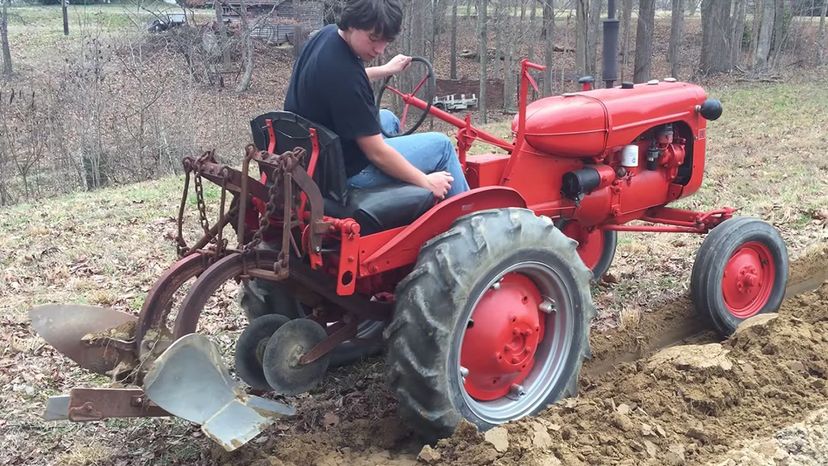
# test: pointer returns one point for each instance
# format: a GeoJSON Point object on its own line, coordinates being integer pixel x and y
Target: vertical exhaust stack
{"type": "Point", "coordinates": [610, 54]}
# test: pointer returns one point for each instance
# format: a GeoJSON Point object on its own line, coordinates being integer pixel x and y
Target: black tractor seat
{"type": "Point", "coordinates": [374, 209]}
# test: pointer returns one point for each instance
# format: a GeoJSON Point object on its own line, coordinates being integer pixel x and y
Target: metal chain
{"type": "Point", "coordinates": [272, 205]}
{"type": "Point", "coordinates": [202, 207]}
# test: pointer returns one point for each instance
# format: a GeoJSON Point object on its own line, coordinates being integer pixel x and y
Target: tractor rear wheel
{"type": "Point", "coordinates": [741, 270]}
{"type": "Point", "coordinates": [492, 324]}
{"type": "Point", "coordinates": [262, 297]}
{"type": "Point", "coordinates": [596, 247]}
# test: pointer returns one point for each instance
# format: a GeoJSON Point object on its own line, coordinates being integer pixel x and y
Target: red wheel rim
{"type": "Point", "coordinates": [748, 279]}
{"type": "Point", "coordinates": [590, 242]}
{"type": "Point", "coordinates": [501, 339]}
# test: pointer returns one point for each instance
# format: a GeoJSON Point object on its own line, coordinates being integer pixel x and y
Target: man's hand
{"type": "Point", "coordinates": [397, 64]}
{"type": "Point", "coordinates": [439, 183]}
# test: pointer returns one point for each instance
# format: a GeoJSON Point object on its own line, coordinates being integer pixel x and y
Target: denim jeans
{"type": "Point", "coordinates": [429, 152]}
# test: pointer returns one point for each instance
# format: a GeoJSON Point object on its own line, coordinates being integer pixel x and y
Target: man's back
{"type": "Point", "coordinates": [329, 87]}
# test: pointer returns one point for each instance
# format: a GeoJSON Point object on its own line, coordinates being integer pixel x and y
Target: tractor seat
{"type": "Point", "coordinates": [374, 209]}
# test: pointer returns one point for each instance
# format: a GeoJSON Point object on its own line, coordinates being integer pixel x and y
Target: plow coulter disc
{"type": "Point", "coordinates": [64, 326]}
{"type": "Point", "coordinates": [189, 381]}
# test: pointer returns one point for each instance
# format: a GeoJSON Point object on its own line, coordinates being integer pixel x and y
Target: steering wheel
{"type": "Point", "coordinates": [431, 88]}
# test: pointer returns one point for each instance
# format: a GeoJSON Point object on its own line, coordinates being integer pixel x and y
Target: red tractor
{"type": "Point", "coordinates": [483, 299]}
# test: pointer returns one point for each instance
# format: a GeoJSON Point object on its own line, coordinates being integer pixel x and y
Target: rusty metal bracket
{"type": "Point", "coordinates": [95, 404]}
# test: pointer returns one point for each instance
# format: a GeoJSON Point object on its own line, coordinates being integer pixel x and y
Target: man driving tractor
{"type": "Point", "coordinates": [331, 87]}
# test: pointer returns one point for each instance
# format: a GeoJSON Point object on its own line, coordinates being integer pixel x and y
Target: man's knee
{"type": "Point", "coordinates": [388, 121]}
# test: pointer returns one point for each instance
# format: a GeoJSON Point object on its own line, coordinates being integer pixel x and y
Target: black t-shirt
{"type": "Point", "coordinates": [329, 87]}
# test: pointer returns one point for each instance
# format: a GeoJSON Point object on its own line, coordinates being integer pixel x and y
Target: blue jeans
{"type": "Point", "coordinates": [429, 152]}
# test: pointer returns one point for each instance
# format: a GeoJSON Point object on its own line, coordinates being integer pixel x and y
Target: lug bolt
{"type": "Point", "coordinates": [548, 306]}
{"type": "Point", "coordinates": [516, 391]}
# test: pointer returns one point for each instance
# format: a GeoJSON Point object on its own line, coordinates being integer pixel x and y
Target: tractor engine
{"type": "Point", "coordinates": [622, 150]}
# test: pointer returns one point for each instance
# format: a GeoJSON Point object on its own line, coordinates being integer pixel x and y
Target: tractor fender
{"type": "Point", "coordinates": [400, 246]}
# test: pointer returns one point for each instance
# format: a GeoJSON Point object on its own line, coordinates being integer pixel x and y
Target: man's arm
{"type": "Point", "coordinates": [394, 66]}
{"type": "Point", "coordinates": [393, 164]}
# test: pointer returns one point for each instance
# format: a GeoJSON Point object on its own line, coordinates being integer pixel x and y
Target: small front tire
{"type": "Point", "coordinates": [741, 270]}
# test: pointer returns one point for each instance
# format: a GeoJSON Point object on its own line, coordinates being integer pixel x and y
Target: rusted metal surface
{"type": "Point", "coordinates": [157, 305]}
{"type": "Point", "coordinates": [345, 332]}
{"type": "Point", "coordinates": [89, 335]}
{"type": "Point", "coordinates": [95, 404]}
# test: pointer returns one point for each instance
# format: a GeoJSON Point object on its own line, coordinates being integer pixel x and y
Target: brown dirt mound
{"type": "Point", "coordinates": [686, 404]}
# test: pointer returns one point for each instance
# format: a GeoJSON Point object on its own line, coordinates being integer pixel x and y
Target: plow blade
{"type": "Point", "coordinates": [190, 381]}
{"type": "Point", "coordinates": [64, 326]}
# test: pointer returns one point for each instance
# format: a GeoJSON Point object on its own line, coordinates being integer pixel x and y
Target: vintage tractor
{"type": "Point", "coordinates": [483, 299]}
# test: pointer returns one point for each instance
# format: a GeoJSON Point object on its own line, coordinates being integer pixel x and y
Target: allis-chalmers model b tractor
{"type": "Point", "coordinates": [483, 299]}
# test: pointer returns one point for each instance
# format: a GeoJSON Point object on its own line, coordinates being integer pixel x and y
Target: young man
{"type": "Point", "coordinates": [331, 86]}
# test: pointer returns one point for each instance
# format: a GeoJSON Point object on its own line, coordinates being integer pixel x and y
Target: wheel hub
{"type": "Point", "coordinates": [748, 279]}
{"type": "Point", "coordinates": [502, 337]}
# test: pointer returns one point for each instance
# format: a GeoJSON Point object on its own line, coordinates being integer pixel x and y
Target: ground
{"type": "Point", "coordinates": [660, 388]}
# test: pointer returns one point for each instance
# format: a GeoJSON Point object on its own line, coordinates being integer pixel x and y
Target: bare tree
{"type": "Point", "coordinates": [821, 45]}
{"type": "Point", "coordinates": [763, 42]}
{"type": "Point", "coordinates": [482, 36]}
{"type": "Point", "coordinates": [626, 22]}
{"type": "Point", "coordinates": [510, 34]}
{"type": "Point", "coordinates": [716, 35]}
{"type": "Point", "coordinates": [593, 32]}
{"type": "Point", "coordinates": [453, 52]}
{"type": "Point", "coordinates": [780, 27]}
{"type": "Point", "coordinates": [644, 40]}
{"type": "Point", "coordinates": [738, 22]}
{"type": "Point", "coordinates": [676, 34]}
{"type": "Point", "coordinates": [549, 35]}
{"type": "Point", "coordinates": [4, 38]}
{"type": "Point", "coordinates": [581, 30]}
{"type": "Point", "coordinates": [247, 49]}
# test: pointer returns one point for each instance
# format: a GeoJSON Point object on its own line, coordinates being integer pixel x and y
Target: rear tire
{"type": "Point", "coordinates": [741, 270]}
{"type": "Point", "coordinates": [440, 353]}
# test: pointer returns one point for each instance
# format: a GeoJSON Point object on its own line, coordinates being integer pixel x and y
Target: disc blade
{"type": "Point", "coordinates": [64, 325]}
{"type": "Point", "coordinates": [190, 381]}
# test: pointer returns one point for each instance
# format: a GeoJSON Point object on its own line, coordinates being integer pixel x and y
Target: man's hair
{"type": "Point", "coordinates": [382, 17]}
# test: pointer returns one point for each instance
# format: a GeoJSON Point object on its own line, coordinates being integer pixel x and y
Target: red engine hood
{"type": "Point", "coordinates": [586, 124]}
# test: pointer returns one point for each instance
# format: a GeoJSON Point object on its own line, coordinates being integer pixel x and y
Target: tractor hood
{"type": "Point", "coordinates": [586, 124]}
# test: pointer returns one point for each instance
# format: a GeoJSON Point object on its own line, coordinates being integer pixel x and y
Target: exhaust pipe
{"type": "Point", "coordinates": [610, 46]}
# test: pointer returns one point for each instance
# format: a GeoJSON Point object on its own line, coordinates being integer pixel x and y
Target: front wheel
{"type": "Point", "coordinates": [741, 270]}
{"type": "Point", "coordinates": [492, 324]}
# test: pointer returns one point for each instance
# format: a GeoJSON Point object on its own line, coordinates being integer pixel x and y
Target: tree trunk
{"type": "Point", "coordinates": [434, 26]}
{"type": "Point", "coordinates": [739, 14]}
{"type": "Point", "coordinates": [763, 43]}
{"type": "Point", "coordinates": [644, 40]}
{"type": "Point", "coordinates": [581, 26]}
{"type": "Point", "coordinates": [676, 34]}
{"type": "Point", "coordinates": [780, 29]}
{"type": "Point", "coordinates": [821, 45]}
{"type": "Point", "coordinates": [247, 49]}
{"type": "Point", "coordinates": [482, 16]}
{"type": "Point", "coordinates": [4, 38]}
{"type": "Point", "coordinates": [509, 94]}
{"type": "Point", "coordinates": [715, 36]}
{"type": "Point", "coordinates": [626, 22]}
{"type": "Point", "coordinates": [497, 23]}
{"type": "Point", "coordinates": [593, 32]}
{"type": "Point", "coordinates": [692, 7]}
{"type": "Point", "coordinates": [549, 31]}
{"type": "Point", "coordinates": [530, 54]}
{"type": "Point", "coordinates": [453, 51]}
